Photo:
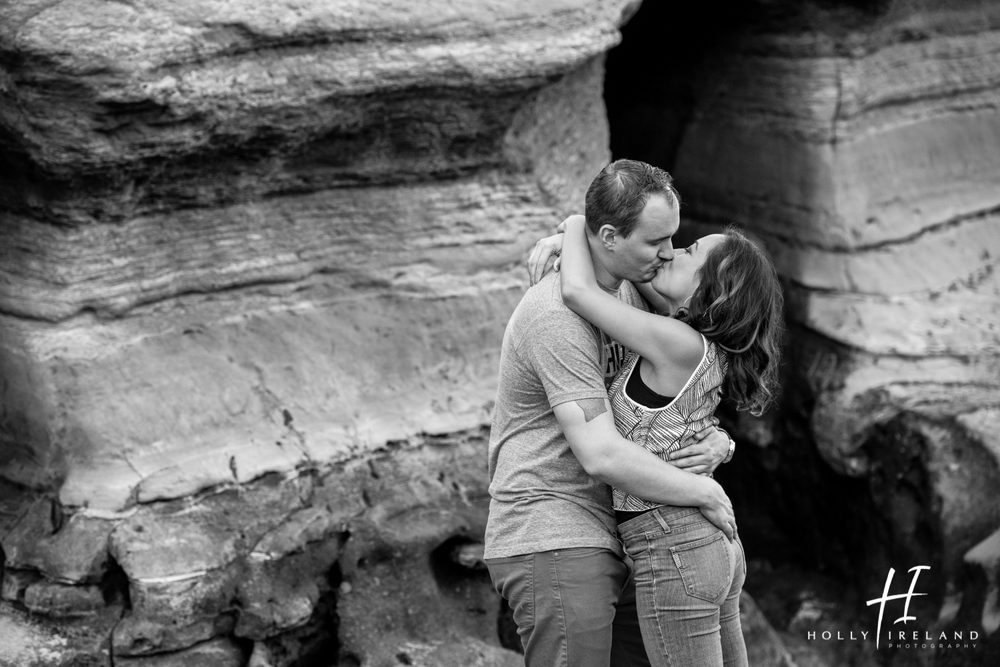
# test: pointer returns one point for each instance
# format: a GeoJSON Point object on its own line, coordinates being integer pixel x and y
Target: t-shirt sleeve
{"type": "Point", "coordinates": [563, 351]}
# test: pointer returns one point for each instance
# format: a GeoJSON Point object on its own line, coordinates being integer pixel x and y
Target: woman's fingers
{"type": "Point", "coordinates": [543, 257]}
{"type": "Point", "coordinates": [532, 265]}
{"type": "Point", "coordinates": [533, 260]}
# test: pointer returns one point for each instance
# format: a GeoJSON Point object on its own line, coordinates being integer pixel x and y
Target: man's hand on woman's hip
{"type": "Point", "coordinates": [718, 509]}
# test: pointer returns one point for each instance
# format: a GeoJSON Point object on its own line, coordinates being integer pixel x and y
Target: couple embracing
{"type": "Point", "coordinates": [606, 533]}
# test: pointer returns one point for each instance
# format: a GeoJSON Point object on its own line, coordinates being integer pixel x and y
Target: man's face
{"type": "Point", "coordinates": [643, 252]}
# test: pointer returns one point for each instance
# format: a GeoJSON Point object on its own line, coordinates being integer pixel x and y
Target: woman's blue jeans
{"type": "Point", "coordinates": [688, 578]}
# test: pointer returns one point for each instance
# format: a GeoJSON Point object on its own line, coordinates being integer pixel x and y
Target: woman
{"type": "Point", "coordinates": [723, 338]}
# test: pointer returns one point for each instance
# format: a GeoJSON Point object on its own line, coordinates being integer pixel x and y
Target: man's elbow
{"type": "Point", "coordinates": [600, 466]}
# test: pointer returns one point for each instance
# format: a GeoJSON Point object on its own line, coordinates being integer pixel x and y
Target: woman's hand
{"type": "Point", "coordinates": [545, 255]}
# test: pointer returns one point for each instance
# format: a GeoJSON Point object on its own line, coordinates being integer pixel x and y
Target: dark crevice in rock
{"type": "Point", "coordinates": [923, 481]}
{"type": "Point", "coordinates": [245, 646]}
{"type": "Point", "coordinates": [457, 564]}
{"type": "Point", "coordinates": [507, 628]}
{"type": "Point", "coordinates": [319, 642]}
{"type": "Point", "coordinates": [815, 531]}
{"type": "Point", "coordinates": [115, 587]}
{"type": "Point", "coordinates": [115, 115]}
{"type": "Point", "coordinates": [56, 514]}
{"type": "Point", "coordinates": [906, 527]}
{"type": "Point", "coordinates": [976, 584]}
{"type": "Point", "coordinates": [648, 113]}
{"type": "Point", "coordinates": [807, 532]}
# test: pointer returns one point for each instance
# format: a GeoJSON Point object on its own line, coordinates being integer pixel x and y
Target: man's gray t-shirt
{"type": "Point", "coordinates": [542, 499]}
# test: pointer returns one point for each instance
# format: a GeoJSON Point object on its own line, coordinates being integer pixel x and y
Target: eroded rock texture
{"type": "Point", "coordinates": [859, 140]}
{"type": "Point", "coordinates": [257, 261]}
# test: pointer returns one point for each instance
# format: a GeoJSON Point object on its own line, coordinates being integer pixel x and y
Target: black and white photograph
{"type": "Point", "coordinates": [499, 333]}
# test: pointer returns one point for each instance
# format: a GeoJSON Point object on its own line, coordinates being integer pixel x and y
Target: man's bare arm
{"type": "Point", "coordinates": [607, 456]}
{"type": "Point", "coordinates": [592, 408]}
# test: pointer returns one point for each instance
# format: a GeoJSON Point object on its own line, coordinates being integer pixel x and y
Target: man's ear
{"type": "Point", "coordinates": [607, 234]}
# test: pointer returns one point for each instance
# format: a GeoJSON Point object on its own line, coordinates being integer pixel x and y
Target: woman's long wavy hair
{"type": "Point", "coordinates": [739, 306]}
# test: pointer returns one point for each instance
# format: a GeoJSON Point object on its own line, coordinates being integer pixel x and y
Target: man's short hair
{"type": "Point", "coordinates": [618, 194]}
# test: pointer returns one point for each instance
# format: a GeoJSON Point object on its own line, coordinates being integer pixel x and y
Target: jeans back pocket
{"type": "Point", "coordinates": [705, 567]}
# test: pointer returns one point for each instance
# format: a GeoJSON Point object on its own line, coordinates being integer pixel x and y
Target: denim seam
{"type": "Point", "coordinates": [729, 594]}
{"type": "Point", "coordinates": [531, 589]}
{"type": "Point", "coordinates": [651, 599]}
{"type": "Point", "coordinates": [557, 593]}
{"type": "Point", "coordinates": [743, 553]}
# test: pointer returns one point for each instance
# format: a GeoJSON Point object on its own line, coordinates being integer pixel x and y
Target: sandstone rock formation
{"type": "Point", "coordinates": [257, 261]}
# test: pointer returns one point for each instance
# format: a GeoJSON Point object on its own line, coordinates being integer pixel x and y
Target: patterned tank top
{"type": "Point", "coordinates": [661, 430]}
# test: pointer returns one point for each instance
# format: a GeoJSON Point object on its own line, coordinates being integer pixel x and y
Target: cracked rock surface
{"type": "Point", "coordinates": [257, 260]}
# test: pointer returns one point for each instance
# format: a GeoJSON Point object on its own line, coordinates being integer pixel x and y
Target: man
{"type": "Point", "coordinates": [551, 540]}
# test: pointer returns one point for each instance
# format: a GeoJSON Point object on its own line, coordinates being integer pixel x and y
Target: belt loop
{"type": "Point", "coordinates": [660, 520]}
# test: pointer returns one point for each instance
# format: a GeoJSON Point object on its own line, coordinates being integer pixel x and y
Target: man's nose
{"type": "Point", "coordinates": [666, 252]}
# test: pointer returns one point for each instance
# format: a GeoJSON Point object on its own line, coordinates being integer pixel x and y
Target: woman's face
{"type": "Point", "coordinates": [678, 278]}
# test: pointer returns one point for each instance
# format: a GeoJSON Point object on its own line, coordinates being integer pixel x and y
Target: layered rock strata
{"type": "Point", "coordinates": [257, 262]}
